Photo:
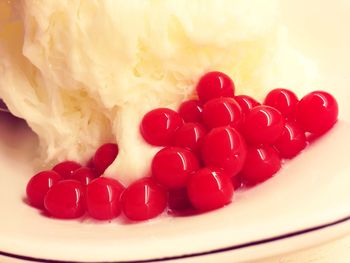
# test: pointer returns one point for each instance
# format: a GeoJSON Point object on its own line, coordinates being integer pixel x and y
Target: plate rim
{"type": "Point", "coordinates": [250, 244]}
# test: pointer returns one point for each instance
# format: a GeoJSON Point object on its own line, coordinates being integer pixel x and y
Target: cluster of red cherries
{"type": "Point", "coordinates": [213, 145]}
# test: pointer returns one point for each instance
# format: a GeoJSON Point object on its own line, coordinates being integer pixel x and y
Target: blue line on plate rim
{"type": "Point", "coordinates": [198, 254]}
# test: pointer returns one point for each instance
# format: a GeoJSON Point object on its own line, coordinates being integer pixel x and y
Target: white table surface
{"type": "Point", "coordinates": [337, 251]}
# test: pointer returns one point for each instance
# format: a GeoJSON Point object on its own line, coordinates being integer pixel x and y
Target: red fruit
{"type": "Point", "coordinates": [262, 163]}
{"type": "Point", "coordinates": [144, 199]}
{"type": "Point", "coordinates": [38, 186]}
{"type": "Point", "coordinates": [84, 175]}
{"type": "Point", "coordinates": [103, 198]}
{"type": "Point", "coordinates": [237, 181]}
{"type": "Point", "coordinates": [159, 126]}
{"type": "Point", "coordinates": [90, 163]}
{"type": "Point", "coordinates": [178, 200]}
{"type": "Point", "coordinates": [222, 112]}
{"type": "Point", "coordinates": [246, 103]}
{"type": "Point", "coordinates": [209, 189]}
{"type": "Point", "coordinates": [285, 101]}
{"type": "Point", "coordinates": [172, 166]}
{"type": "Point", "coordinates": [224, 148]}
{"type": "Point", "coordinates": [190, 136]}
{"type": "Point", "coordinates": [66, 168]}
{"type": "Point", "coordinates": [214, 85]}
{"type": "Point", "coordinates": [263, 125]}
{"type": "Point", "coordinates": [105, 156]}
{"type": "Point", "coordinates": [66, 199]}
{"type": "Point", "coordinates": [292, 141]}
{"type": "Point", "coordinates": [317, 112]}
{"type": "Point", "coordinates": [191, 111]}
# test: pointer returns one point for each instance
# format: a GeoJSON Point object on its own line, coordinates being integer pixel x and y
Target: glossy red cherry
{"type": "Point", "coordinates": [66, 199]}
{"type": "Point", "coordinates": [263, 125]}
{"type": "Point", "coordinates": [38, 186]}
{"type": "Point", "coordinates": [224, 148]}
{"type": "Point", "coordinates": [237, 182]}
{"type": "Point", "coordinates": [317, 112]}
{"type": "Point", "coordinates": [292, 141]}
{"type": "Point", "coordinates": [209, 188]}
{"type": "Point", "coordinates": [191, 111]}
{"type": "Point", "coordinates": [103, 198]}
{"type": "Point", "coordinates": [105, 156]}
{"type": "Point", "coordinates": [159, 126]}
{"type": "Point", "coordinates": [262, 163]}
{"type": "Point", "coordinates": [284, 100]}
{"type": "Point", "coordinates": [172, 166]}
{"type": "Point", "coordinates": [84, 174]}
{"type": "Point", "coordinates": [246, 103]}
{"type": "Point", "coordinates": [222, 112]}
{"type": "Point", "coordinates": [144, 199]}
{"type": "Point", "coordinates": [66, 168]}
{"type": "Point", "coordinates": [190, 136]}
{"type": "Point", "coordinates": [90, 163]}
{"type": "Point", "coordinates": [178, 200]}
{"type": "Point", "coordinates": [214, 85]}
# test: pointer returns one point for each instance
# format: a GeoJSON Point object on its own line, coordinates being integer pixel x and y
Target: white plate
{"type": "Point", "coordinates": [306, 204]}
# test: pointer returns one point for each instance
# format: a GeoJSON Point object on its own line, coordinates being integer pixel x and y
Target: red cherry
{"type": "Point", "coordinates": [191, 111]}
{"type": "Point", "coordinates": [237, 181]}
{"type": "Point", "coordinates": [222, 112]}
{"type": "Point", "coordinates": [214, 85]}
{"type": "Point", "coordinates": [66, 168]}
{"type": "Point", "coordinates": [284, 100]}
{"type": "Point", "coordinates": [90, 163]}
{"type": "Point", "coordinates": [190, 136]}
{"type": "Point", "coordinates": [178, 200]}
{"type": "Point", "coordinates": [65, 199]}
{"type": "Point", "coordinates": [225, 148]}
{"type": "Point", "coordinates": [159, 126]}
{"type": "Point", "coordinates": [105, 156]}
{"type": "Point", "coordinates": [38, 186]}
{"type": "Point", "coordinates": [317, 112]}
{"type": "Point", "coordinates": [172, 166]}
{"type": "Point", "coordinates": [246, 103]}
{"type": "Point", "coordinates": [292, 141]}
{"type": "Point", "coordinates": [262, 163]}
{"type": "Point", "coordinates": [103, 198]}
{"type": "Point", "coordinates": [209, 189]}
{"type": "Point", "coordinates": [263, 125]}
{"type": "Point", "coordinates": [144, 199]}
{"type": "Point", "coordinates": [84, 174]}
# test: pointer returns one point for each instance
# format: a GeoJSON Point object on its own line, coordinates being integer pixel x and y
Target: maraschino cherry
{"type": "Point", "coordinates": [210, 188]}
{"type": "Point", "coordinates": [159, 126]}
{"type": "Point", "coordinates": [144, 199]}
{"type": "Point", "coordinates": [213, 85]}
{"type": "Point", "coordinates": [317, 112]}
